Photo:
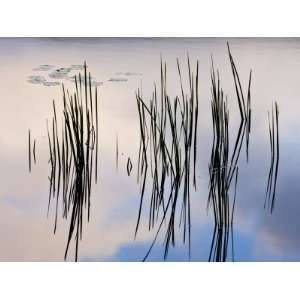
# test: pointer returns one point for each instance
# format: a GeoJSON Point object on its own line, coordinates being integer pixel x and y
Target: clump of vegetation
{"type": "Point", "coordinates": [168, 151]}
{"type": "Point", "coordinates": [223, 164]}
{"type": "Point", "coordinates": [73, 152]}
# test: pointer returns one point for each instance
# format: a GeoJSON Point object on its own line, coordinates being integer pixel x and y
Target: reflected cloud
{"type": "Point", "coordinates": [279, 232]}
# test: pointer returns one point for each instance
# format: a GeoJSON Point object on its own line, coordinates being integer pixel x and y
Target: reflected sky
{"type": "Point", "coordinates": [121, 66]}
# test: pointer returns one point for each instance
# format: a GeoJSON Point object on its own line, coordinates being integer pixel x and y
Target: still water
{"type": "Point", "coordinates": [32, 70]}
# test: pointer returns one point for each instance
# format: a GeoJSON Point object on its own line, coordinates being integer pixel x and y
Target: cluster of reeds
{"type": "Point", "coordinates": [73, 152]}
{"type": "Point", "coordinates": [168, 147]}
{"type": "Point", "coordinates": [223, 166]}
{"type": "Point", "coordinates": [274, 147]}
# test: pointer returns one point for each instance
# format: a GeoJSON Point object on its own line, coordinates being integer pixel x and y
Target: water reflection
{"type": "Point", "coordinates": [116, 199]}
{"type": "Point", "coordinates": [167, 156]}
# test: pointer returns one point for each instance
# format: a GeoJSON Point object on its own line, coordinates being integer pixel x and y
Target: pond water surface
{"type": "Point", "coordinates": [32, 70]}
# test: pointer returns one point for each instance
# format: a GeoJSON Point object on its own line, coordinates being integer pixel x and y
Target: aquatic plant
{"type": "Point", "coordinates": [129, 166]}
{"type": "Point", "coordinates": [117, 152]}
{"type": "Point", "coordinates": [274, 149]}
{"type": "Point", "coordinates": [34, 151]}
{"type": "Point", "coordinates": [29, 151]}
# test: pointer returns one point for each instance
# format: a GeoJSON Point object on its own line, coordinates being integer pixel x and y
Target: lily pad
{"type": "Point", "coordinates": [118, 79]}
{"type": "Point", "coordinates": [36, 79]}
{"type": "Point", "coordinates": [43, 67]}
{"type": "Point", "coordinates": [77, 67]}
{"type": "Point", "coordinates": [129, 74]}
{"type": "Point", "coordinates": [60, 73]}
{"type": "Point", "coordinates": [51, 83]}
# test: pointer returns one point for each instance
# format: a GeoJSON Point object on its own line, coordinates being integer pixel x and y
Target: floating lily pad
{"type": "Point", "coordinates": [96, 83]}
{"type": "Point", "coordinates": [36, 79]}
{"type": "Point", "coordinates": [72, 78]}
{"type": "Point", "coordinates": [118, 79]}
{"type": "Point", "coordinates": [51, 83]}
{"type": "Point", "coordinates": [60, 73]}
{"type": "Point", "coordinates": [129, 74]}
{"type": "Point", "coordinates": [77, 67]}
{"type": "Point", "coordinates": [43, 68]}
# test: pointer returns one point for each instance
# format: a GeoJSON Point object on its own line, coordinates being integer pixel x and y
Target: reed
{"type": "Point", "coordinates": [29, 150]}
{"type": "Point", "coordinates": [117, 153]}
{"type": "Point", "coordinates": [34, 151]}
{"type": "Point", "coordinates": [129, 166]}
{"type": "Point", "coordinates": [274, 149]}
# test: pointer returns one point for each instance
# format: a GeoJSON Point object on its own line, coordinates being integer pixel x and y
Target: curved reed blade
{"type": "Point", "coordinates": [34, 151]}
{"type": "Point", "coordinates": [117, 153]}
{"type": "Point", "coordinates": [96, 154]}
{"type": "Point", "coordinates": [129, 166]}
{"type": "Point", "coordinates": [29, 151]}
{"type": "Point", "coordinates": [274, 165]}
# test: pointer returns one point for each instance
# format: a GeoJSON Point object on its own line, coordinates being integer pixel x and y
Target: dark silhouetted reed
{"type": "Point", "coordinates": [129, 166]}
{"type": "Point", "coordinates": [34, 151]}
{"type": "Point", "coordinates": [117, 153]}
{"type": "Point", "coordinates": [29, 150]}
{"type": "Point", "coordinates": [274, 148]}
